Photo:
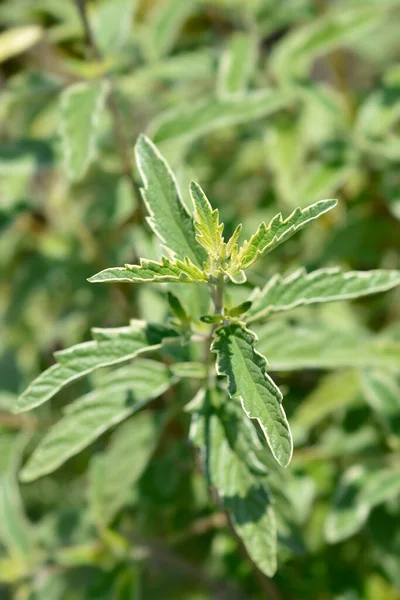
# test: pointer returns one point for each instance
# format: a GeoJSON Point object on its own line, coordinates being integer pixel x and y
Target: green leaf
{"type": "Point", "coordinates": [196, 119]}
{"type": "Point", "coordinates": [112, 473]}
{"type": "Point", "coordinates": [247, 378]}
{"type": "Point", "coordinates": [15, 533]}
{"type": "Point", "coordinates": [110, 347]}
{"type": "Point", "coordinates": [206, 222]}
{"type": "Point", "coordinates": [112, 24]}
{"type": "Point", "coordinates": [192, 370]}
{"type": "Point", "coordinates": [381, 486]}
{"type": "Point", "coordinates": [295, 54]}
{"type": "Point", "coordinates": [169, 218]}
{"type": "Point", "coordinates": [237, 64]}
{"type": "Point", "coordinates": [348, 514]}
{"type": "Point", "coordinates": [178, 309]}
{"type": "Point", "coordinates": [382, 392]}
{"type": "Point", "coordinates": [168, 270]}
{"type": "Point", "coordinates": [242, 492]}
{"type": "Point", "coordinates": [292, 348]}
{"type": "Point", "coordinates": [325, 285]}
{"type": "Point", "coordinates": [268, 237]}
{"type": "Point", "coordinates": [242, 308]}
{"type": "Point", "coordinates": [120, 394]}
{"type": "Point", "coordinates": [334, 392]}
{"type": "Point", "coordinates": [81, 107]}
{"type": "Point", "coordinates": [164, 25]}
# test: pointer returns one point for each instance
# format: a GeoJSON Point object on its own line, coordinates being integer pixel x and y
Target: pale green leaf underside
{"type": "Point", "coordinates": [120, 394]}
{"type": "Point", "coordinates": [324, 285]}
{"type": "Point", "coordinates": [268, 237]}
{"type": "Point", "coordinates": [381, 486]}
{"type": "Point", "coordinates": [192, 121]}
{"type": "Point", "coordinates": [81, 106]}
{"type": "Point", "coordinates": [168, 270]}
{"type": "Point", "coordinates": [206, 222]}
{"type": "Point", "coordinates": [110, 347]}
{"type": "Point", "coordinates": [112, 473]}
{"type": "Point", "coordinates": [227, 443]}
{"type": "Point", "coordinates": [169, 217]}
{"type": "Point", "coordinates": [261, 399]}
{"type": "Point", "coordinates": [292, 348]}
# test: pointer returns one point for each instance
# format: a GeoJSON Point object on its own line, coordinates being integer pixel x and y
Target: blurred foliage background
{"type": "Point", "coordinates": [270, 104]}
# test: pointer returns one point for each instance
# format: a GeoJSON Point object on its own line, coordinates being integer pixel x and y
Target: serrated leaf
{"type": "Point", "coordinates": [292, 348]}
{"type": "Point", "coordinates": [112, 473]}
{"type": "Point", "coordinates": [196, 119]}
{"type": "Point", "coordinates": [247, 379]}
{"type": "Point", "coordinates": [169, 218]}
{"type": "Point", "coordinates": [111, 347]}
{"type": "Point", "coordinates": [168, 270]}
{"type": "Point", "coordinates": [268, 237]}
{"type": "Point", "coordinates": [15, 532]}
{"type": "Point", "coordinates": [382, 392]}
{"type": "Point", "coordinates": [122, 393]}
{"type": "Point", "coordinates": [324, 285]}
{"type": "Point", "coordinates": [81, 107]}
{"type": "Point", "coordinates": [226, 442]}
{"type": "Point", "coordinates": [237, 64]}
{"type": "Point", "coordinates": [348, 514]}
{"type": "Point", "coordinates": [206, 222]}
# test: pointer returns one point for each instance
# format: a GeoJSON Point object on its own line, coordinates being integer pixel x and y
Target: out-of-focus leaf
{"type": "Point", "coordinates": [168, 270]}
{"type": "Point", "coordinates": [248, 381]}
{"type": "Point", "coordinates": [81, 107]}
{"type": "Point", "coordinates": [334, 392]}
{"type": "Point", "coordinates": [382, 392]}
{"type": "Point", "coordinates": [112, 23]}
{"type": "Point", "coordinates": [237, 64]}
{"type": "Point", "coordinates": [348, 514]}
{"type": "Point", "coordinates": [381, 486]}
{"type": "Point", "coordinates": [169, 217]}
{"type": "Point", "coordinates": [113, 472]}
{"type": "Point", "coordinates": [192, 370]}
{"type": "Point", "coordinates": [15, 533]}
{"type": "Point", "coordinates": [18, 39]}
{"type": "Point", "coordinates": [192, 121]}
{"type": "Point", "coordinates": [291, 348]}
{"type": "Point", "coordinates": [163, 26]}
{"type": "Point", "coordinates": [119, 395]}
{"type": "Point", "coordinates": [324, 285]}
{"type": "Point", "coordinates": [340, 26]}
{"type": "Point", "coordinates": [110, 347]}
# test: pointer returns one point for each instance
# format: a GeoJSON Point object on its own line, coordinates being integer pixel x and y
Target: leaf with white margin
{"type": "Point", "coordinates": [120, 394]}
{"type": "Point", "coordinates": [110, 347]}
{"type": "Point", "coordinates": [81, 107]}
{"type": "Point", "coordinates": [268, 237]}
{"type": "Point", "coordinates": [247, 379]}
{"type": "Point", "coordinates": [324, 285]}
{"type": "Point", "coordinates": [168, 216]}
{"type": "Point", "coordinates": [168, 270]}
